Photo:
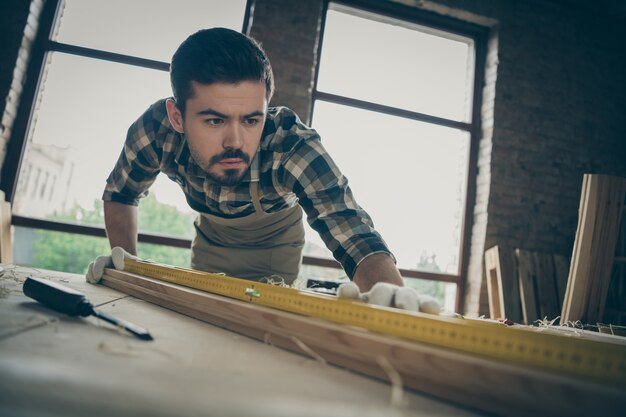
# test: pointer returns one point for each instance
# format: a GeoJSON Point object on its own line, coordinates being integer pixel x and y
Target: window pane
{"type": "Point", "coordinates": [395, 63]}
{"type": "Point", "coordinates": [84, 112]}
{"type": "Point", "coordinates": [68, 252]}
{"type": "Point", "coordinates": [409, 176]}
{"type": "Point", "coordinates": [144, 28]}
{"type": "Point", "coordinates": [56, 251]}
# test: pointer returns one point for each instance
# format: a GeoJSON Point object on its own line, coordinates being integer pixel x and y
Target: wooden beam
{"type": "Point", "coordinates": [494, 289]}
{"type": "Point", "coordinates": [502, 284]}
{"type": "Point", "coordinates": [528, 294]}
{"type": "Point", "coordinates": [561, 272]}
{"type": "Point", "coordinates": [482, 384]}
{"type": "Point", "coordinates": [615, 307]}
{"type": "Point", "coordinates": [601, 206]}
{"type": "Point", "coordinates": [546, 286]}
{"type": "Point", "coordinates": [6, 242]}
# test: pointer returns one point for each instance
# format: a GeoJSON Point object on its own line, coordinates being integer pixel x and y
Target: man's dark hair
{"type": "Point", "coordinates": [218, 55]}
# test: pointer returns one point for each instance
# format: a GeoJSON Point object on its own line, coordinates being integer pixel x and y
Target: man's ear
{"type": "Point", "coordinates": [175, 116]}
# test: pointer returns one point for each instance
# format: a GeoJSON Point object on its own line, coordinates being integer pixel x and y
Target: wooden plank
{"type": "Point", "coordinates": [576, 283]}
{"type": "Point", "coordinates": [601, 205]}
{"type": "Point", "coordinates": [6, 247]}
{"type": "Point", "coordinates": [567, 299]}
{"type": "Point", "coordinates": [486, 385]}
{"type": "Point", "coordinates": [615, 307]}
{"type": "Point", "coordinates": [614, 193]}
{"type": "Point", "coordinates": [510, 286]}
{"type": "Point", "coordinates": [526, 276]}
{"type": "Point", "coordinates": [546, 286]}
{"type": "Point", "coordinates": [561, 272]}
{"type": "Point", "coordinates": [503, 289]}
{"type": "Point", "coordinates": [494, 289]}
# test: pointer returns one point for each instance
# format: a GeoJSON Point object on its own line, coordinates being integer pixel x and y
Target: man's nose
{"type": "Point", "coordinates": [234, 137]}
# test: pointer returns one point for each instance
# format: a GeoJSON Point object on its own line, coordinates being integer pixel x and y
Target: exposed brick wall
{"type": "Point", "coordinates": [289, 32]}
{"type": "Point", "coordinates": [18, 26]}
{"type": "Point", "coordinates": [558, 113]}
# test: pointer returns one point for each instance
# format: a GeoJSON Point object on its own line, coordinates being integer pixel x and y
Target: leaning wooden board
{"type": "Point", "coordinates": [601, 203]}
{"type": "Point", "coordinates": [469, 380]}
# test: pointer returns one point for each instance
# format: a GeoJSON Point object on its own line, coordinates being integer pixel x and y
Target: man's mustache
{"type": "Point", "coordinates": [230, 153]}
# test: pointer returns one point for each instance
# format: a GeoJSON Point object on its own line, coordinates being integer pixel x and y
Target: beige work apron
{"type": "Point", "coordinates": [252, 247]}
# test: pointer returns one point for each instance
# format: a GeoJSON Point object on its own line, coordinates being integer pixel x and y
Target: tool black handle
{"type": "Point", "coordinates": [57, 297]}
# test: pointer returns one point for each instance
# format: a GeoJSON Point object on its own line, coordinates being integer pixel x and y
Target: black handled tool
{"type": "Point", "coordinates": [71, 302]}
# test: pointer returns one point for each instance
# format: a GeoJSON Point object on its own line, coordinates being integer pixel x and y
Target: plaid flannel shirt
{"type": "Point", "coordinates": [294, 169]}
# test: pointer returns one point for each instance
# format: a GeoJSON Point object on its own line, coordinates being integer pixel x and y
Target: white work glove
{"type": "Point", "coordinates": [390, 295]}
{"type": "Point", "coordinates": [116, 259]}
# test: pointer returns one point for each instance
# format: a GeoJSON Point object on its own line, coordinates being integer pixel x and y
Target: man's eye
{"type": "Point", "coordinates": [214, 122]}
{"type": "Point", "coordinates": [252, 122]}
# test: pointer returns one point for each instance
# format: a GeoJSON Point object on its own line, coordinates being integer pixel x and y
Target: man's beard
{"type": "Point", "coordinates": [230, 177]}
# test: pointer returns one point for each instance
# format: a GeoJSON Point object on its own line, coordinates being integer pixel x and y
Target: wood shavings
{"type": "Point", "coordinates": [569, 329]}
{"type": "Point", "coordinates": [545, 322]}
{"type": "Point", "coordinates": [397, 390]}
{"type": "Point", "coordinates": [612, 329]}
{"type": "Point", "coordinates": [308, 350]}
{"type": "Point", "coordinates": [4, 291]}
{"type": "Point", "coordinates": [575, 328]}
{"type": "Point", "coordinates": [274, 279]}
{"type": "Point", "coordinates": [575, 324]}
{"type": "Point", "coordinates": [8, 272]}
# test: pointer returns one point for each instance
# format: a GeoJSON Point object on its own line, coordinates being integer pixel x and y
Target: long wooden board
{"type": "Point", "coordinates": [601, 205]}
{"type": "Point", "coordinates": [463, 379]}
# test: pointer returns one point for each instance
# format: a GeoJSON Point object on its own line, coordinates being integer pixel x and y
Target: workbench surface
{"type": "Point", "coordinates": [56, 365]}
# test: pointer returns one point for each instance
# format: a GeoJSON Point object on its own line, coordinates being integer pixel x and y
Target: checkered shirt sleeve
{"type": "Point", "coordinates": [331, 209]}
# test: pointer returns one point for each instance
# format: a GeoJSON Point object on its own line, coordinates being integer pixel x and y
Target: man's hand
{"type": "Point", "coordinates": [378, 267]}
{"type": "Point", "coordinates": [390, 295]}
{"type": "Point", "coordinates": [95, 270]}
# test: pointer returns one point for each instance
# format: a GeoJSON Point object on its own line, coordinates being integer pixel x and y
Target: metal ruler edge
{"type": "Point", "coordinates": [600, 361]}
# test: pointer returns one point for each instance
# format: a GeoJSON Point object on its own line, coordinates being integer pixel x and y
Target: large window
{"type": "Point", "coordinates": [394, 107]}
{"type": "Point", "coordinates": [395, 101]}
{"type": "Point", "coordinates": [105, 63]}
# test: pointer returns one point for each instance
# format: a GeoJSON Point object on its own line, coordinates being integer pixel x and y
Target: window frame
{"type": "Point", "coordinates": [479, 35]}
{"type": "Point", "coordinates": [43, 45]}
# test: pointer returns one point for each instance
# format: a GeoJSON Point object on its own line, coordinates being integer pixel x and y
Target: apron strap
{"type": "Point", "coordinates": [224, 245]}
{"type": "Point", "coordinates": [254, 184]}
